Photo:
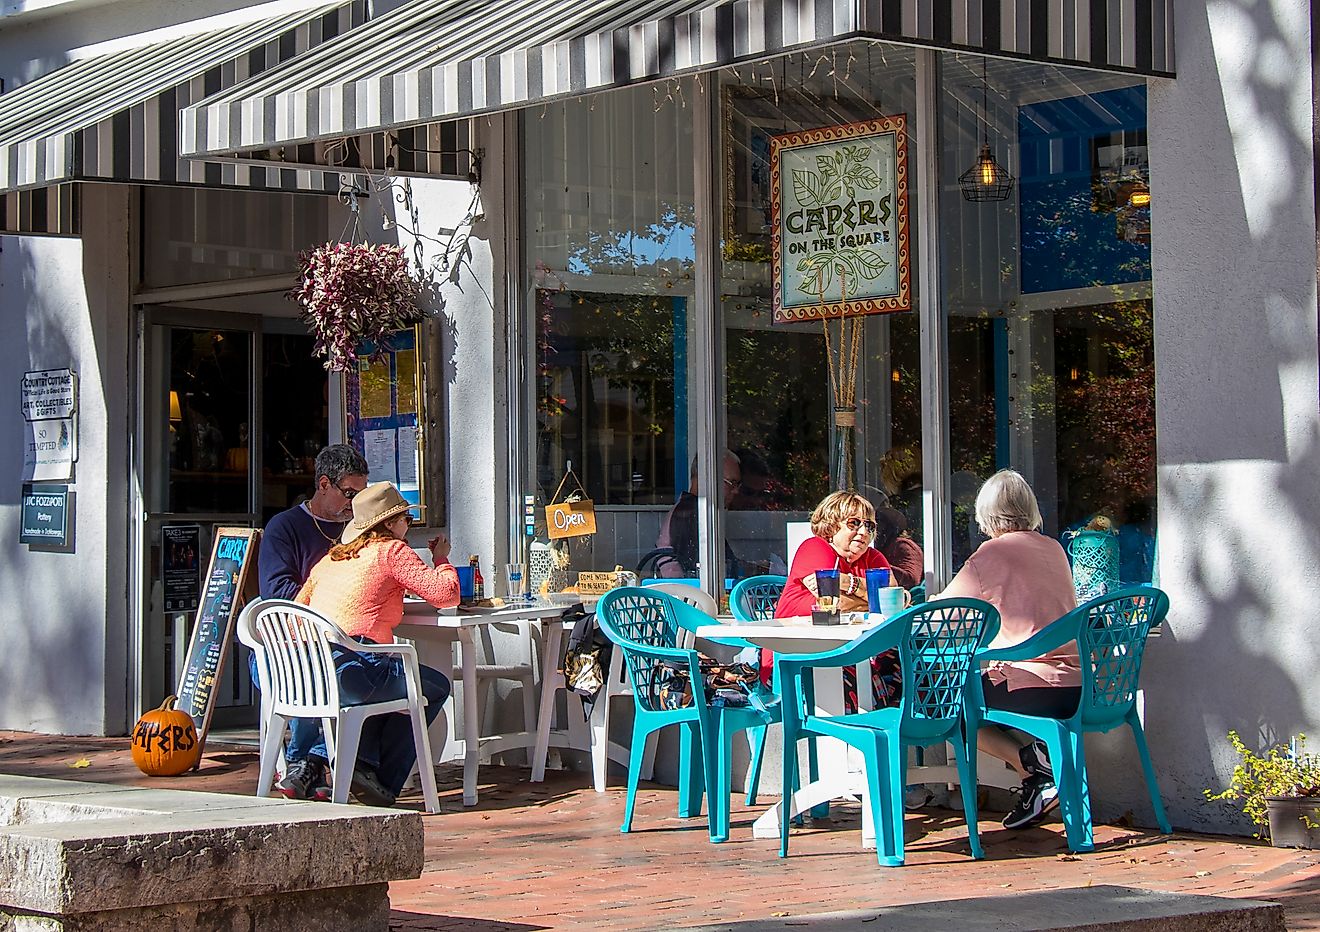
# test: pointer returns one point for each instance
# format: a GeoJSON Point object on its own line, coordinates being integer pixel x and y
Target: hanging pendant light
{"type": "Point", "coordinates": [987, 180]}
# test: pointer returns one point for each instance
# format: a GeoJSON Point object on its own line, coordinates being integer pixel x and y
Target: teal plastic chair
{"type": "Point", "coordinates": [1110, 633]}
{"type": "Point", "coordinates": [937, 644]}
{"type": "Point", "coordinates": [648, 626]}
{"type": "Point", "coordinates": [755, 599]}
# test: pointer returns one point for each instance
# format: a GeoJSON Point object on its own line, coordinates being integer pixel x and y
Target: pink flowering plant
{"type": "Point", "coordinates": [355, 293]}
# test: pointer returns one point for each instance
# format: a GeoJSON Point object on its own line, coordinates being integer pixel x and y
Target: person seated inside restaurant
{"type": "Point", "coordinates": [678, 531]}
{"type": "Point", "coordinates": [293, 542]}
{"type": "Point", "coordinates": [1025, 575]}
{"type": "Point", "coordinates": [842, 528]}
{"type": "Point", "coordinates": [907, 566]}
{"type": "Point", "coordinates": [360, 585]}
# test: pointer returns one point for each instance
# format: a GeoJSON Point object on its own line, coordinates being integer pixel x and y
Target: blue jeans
{"type": "Point", "coordinates": [305, 738]}
{"type": "Point", "coordinates": [386, 744]}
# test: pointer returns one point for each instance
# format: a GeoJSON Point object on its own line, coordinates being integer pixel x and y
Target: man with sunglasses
{"type": "Point", "coordinates": [293, 542]}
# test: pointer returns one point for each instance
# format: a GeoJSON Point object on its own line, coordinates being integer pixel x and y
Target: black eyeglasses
{"type": "Point", "coordinates": [347, 493]}
{"type": "Point", "coordinates": [854, 524]}
{"type": "Point", "coordinates": [732, 483]}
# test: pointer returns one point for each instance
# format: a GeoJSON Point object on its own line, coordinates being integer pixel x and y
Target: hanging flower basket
{"type": "Point", "coordinates": [355, 293]}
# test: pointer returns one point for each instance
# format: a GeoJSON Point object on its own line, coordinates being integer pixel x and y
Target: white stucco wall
{"type": "Point", "coordinates": [1234, 252]}
{"type": "Point", "coordinates": [466, 299]}
{"type": "Point", "coordinates": [64, 616]}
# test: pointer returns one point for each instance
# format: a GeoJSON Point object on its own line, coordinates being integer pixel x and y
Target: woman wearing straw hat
{"type": "Point", "coordinates": [360, 584]}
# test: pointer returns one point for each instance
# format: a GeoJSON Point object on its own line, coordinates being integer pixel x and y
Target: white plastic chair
{"type": "Point", "coordinates": [617, 684]}
{"type": "Point", "coordinates": [246, 630]}
{"type": "Point", "coordinates": [296, 663]}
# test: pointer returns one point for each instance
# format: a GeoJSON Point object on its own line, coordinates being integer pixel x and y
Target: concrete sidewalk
{"type": "Point", "coordinates": [550, 856]}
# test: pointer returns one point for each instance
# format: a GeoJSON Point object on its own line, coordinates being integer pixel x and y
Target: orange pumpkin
{"type": "Point", "coordinates": [165, 741]}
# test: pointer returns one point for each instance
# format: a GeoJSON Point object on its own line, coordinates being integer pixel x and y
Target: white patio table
{"type": "Point", "coordinates": [428, 625]}
{"type": "Point", "coordinates": [842, 773]}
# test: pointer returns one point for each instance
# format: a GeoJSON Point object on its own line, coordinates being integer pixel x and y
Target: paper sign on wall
{"type": "Point", "coordinates": [49, 449]}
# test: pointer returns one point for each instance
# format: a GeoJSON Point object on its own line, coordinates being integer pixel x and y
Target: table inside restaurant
{"type": "Point", "coordinates": [436, 630]}
{"type": "Point", "coordinates": [842, 771]}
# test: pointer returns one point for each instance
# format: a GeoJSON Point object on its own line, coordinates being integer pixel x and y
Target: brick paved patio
{"type": "Point", "coordinates": [551, 856]}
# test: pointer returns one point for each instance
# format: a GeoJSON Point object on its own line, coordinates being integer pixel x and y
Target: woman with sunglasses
{"type": "Point", "coordinates": [842, 527]}
{"type": "Point", "coordinates": [360, 586]}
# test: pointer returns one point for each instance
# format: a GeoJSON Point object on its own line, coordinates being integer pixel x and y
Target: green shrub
{"type": "Point", "coordinates": [1280, 771]}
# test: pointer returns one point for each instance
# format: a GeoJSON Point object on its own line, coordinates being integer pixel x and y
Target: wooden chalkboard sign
{"type": "Point", "coordinates": [232, 555]}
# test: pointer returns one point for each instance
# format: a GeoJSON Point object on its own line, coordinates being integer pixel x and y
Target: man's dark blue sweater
{"type": "Point", "coordinates": [293, 542]}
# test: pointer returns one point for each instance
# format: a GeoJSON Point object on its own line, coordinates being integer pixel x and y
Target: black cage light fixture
{"type": "Point", "coordinates": [986, 180]}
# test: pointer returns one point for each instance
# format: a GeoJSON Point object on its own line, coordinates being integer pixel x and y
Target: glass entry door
{"type": "Point", "coordinates": [201, 407]}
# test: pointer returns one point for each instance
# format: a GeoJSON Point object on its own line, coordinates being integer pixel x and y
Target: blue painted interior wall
{"type": "Point", "coordinates": [1065, 242]}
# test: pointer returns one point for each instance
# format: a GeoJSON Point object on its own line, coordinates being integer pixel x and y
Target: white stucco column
{"type": "Point", "coordinates": [1234, 257]}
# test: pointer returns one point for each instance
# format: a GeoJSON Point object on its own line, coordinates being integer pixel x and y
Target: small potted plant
{"type": "Point", "coordinates": [355, 293]}
{"type": "Point", "coordinates": [1279, 791]}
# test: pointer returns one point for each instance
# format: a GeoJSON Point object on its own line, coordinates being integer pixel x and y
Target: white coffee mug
{"type": "Point", "coordinates": [893, 599]}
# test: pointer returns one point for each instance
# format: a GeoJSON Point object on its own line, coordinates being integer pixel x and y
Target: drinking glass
{"type": "Point", "coordinates": [876, 579]}
{"type": "Point", "coordinates": [513, 574]}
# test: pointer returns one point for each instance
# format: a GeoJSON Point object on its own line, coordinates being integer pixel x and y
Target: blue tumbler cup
{"type": "Point", "coordinates": [465, 582]}
{"type": "Point", "coordinates": [876, 579]}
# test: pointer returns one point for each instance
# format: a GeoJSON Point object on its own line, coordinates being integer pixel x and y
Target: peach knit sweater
{"type": "Point", "coordinates": [364, 595]}
{"type": "Point", "coordinates": [1026, 576]}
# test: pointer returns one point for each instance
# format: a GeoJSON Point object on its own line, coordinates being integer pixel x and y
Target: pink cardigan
{"type": "Point", "coordinates": [364, 595]}
{"type": "Point", "coordinates": [1026, 576]}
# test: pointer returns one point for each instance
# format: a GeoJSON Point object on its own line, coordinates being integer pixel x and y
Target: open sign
{"type": "Point", "coordinates": [570, 519]}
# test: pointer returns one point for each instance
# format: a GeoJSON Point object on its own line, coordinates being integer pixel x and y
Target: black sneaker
{"type": "Point", "coordinates": [1036, 760]}
{"type": "Point", "coordinates": [368, 789]}
{"type": "Point", "coordinates": [321, 791]}
{"type": "Point", "coordinates": [1039, 796]}
{"type": "Point", "coordinates": [302, 779]}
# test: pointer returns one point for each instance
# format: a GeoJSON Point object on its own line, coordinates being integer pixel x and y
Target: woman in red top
{"type": "Point", "coordinates": [842, 528]}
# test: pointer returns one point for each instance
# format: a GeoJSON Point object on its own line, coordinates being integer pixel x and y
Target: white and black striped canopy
{"type": "Point", "coordinates": [114, 117]}
{"type": "Point", "coordinates": [431, 60]}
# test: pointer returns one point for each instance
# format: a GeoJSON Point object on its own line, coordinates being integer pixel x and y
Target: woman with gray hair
{"type": "Point", "coordinates": [1025, 575]}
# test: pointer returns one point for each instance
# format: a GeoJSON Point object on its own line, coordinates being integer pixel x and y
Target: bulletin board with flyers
{"type": "Point", "coordinates": [385, 415]}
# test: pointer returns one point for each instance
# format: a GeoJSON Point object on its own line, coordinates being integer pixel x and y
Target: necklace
{"type": "Point", "coordinates": [317, 523]}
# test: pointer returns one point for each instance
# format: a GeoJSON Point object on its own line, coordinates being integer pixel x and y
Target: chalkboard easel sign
{"type": "Point", "coordinates": [232, 555]}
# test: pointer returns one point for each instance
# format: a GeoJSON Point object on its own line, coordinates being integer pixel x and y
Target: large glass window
{"type": "Point", "coordinates": [782, 379]}
{"type": "Point", "coordinates": [192, 235]}
{"type": "Point", "coordinates": [1048, 299]}
{"type": "Point", "coordinates": [609, 249]}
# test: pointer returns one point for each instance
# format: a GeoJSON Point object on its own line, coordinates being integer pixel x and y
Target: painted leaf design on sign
{"type": "Point", "coordinates": [820, 273]}
{"type": "Point", "coordinates": [807, 188]}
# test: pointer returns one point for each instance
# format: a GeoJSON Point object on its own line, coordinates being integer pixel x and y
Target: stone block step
{"type": "Point", "coordinates": [1076, 909]}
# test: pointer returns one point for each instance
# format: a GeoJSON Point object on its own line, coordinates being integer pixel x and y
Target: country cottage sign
{"type": "Point", "coordinates": [840, 214]}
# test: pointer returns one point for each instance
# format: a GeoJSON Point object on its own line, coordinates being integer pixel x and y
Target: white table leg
{"type": "Point", "coordinates": [551, 679]}
{"type": "Point", "coordinates": [471, 726]}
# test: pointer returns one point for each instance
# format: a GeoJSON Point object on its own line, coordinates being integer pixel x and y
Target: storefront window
{"type": "Point", "coordinates": [782, 378]}
{"type": "Point", "coordinates": [1048, 300]}
{"type": "Point", "coordinates": [193, 235]}
{"type": "Point", "coordinates": [609, 247]}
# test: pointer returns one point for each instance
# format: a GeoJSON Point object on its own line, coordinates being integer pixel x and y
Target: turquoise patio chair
{"type": "Point", "coordinates": [1110, 633]}
{"type": "Point", "coordinates": [937, 644]}
{"type": "Point", "coordinates": [648, 625]}
{"type": "Point", "coordinates": [754, 599]}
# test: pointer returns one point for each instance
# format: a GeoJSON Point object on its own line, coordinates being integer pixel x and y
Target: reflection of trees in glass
{"type": "Point", "coordinates": [1105, 402]}
{"type": "Point", "coordinates": [605, 393]}
{"type": "Point", "coordinates": [669, 241]}
{"type": "Point", "coordinates": [777, 405]}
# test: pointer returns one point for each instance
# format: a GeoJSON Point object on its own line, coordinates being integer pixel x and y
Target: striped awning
{"type": "Point", "coordinates": [114, 117]}
{"type": "Point", "coordinates": [432, 60]}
